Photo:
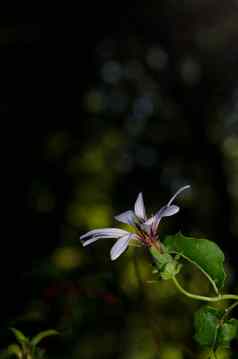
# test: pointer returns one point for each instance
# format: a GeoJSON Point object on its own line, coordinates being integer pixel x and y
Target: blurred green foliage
{"type": "Point", "coordinates": [27, 348]}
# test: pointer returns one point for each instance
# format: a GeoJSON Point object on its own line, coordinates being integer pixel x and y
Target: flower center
{"type": "Point", "coordinates": [148, 239]}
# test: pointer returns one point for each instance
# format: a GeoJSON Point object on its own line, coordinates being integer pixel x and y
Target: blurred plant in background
{"type": "Point", "coordinates": [27, 348]}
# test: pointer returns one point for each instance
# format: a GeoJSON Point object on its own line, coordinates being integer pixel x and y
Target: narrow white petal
{"type": "Point", "coordinates": [177, 193]}
{"type": "Point", "coordinates": [127, 217]}
{"type": "Point", "coordinates": [105, 232]}
{"type": "Point", "coordinates": [145, 228]}
{"type": "Point", "coordinates": [120, 246]}
{"type": "Point", "coordinates": [149, 225]}
{"type": "Point", "coordinates": [164, 211]}
{"type": "Point", "coordinates": [139, 207]}
{"type": "Point", "coordinates": [91, 240]}
{"type": "Point", "coordinates": [167, 211]}
{"type": "Point", "coordinates": [149, 221]}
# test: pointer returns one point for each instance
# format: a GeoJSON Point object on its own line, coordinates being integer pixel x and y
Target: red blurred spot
{"type": "Point", "coordinates": [109, 298]}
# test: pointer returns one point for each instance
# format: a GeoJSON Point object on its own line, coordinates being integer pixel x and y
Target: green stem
{"type": "Point", "coordinates": [228, 310]}
{"type": "Point", "coordinates": [199, 268]}
{"type": "Point", "coordinates": [201, 297]}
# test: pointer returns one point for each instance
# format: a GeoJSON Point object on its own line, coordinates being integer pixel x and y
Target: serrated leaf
{"type": "Point", "coordinates": [206, 323]}
{"type": "Point", "coordinates": [205, 254]}
{"type": "Point", "coordinates": [19, 336]}
{"type": "Point", "coordinates": [47, 333]}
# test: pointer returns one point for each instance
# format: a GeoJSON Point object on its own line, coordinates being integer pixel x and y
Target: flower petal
{"type": "Point", "coordinates": [120, 246]}
{"type": "Point", "coordinates": [91, 240]}
{"type": "Point", "coordinates": [146, 227]}
{"type": "Point", "coordinates": [149, 221]}
{"type": "Point", "coordinates": [139, 207]}
{"type": "Point", "coordinates": [127, 217]}
{"type": "Point", "coordinates": [177, 193]}
{"type": "Point", "coordinates": [167, 211]}
{"type": "Point", "coordinates": [105, 232]}
{"type": "Point", "coordinates": [164, 211]}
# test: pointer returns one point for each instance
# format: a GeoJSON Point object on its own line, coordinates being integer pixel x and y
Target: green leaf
{"type": "Point", "coordinates": [206, 255]}
{"type": "Point", "coordinates": [227, 332]}
{"type": "Point", "coordinates": [211, 330]}
{"type": "Point", "coordinates": [47, 333]}
{"type": "Point", "coordinates": [206, 323]}
{"type": "Point", "coordinates": [19, 336]}
{"type": "Point", "coordinates": [14, 349]}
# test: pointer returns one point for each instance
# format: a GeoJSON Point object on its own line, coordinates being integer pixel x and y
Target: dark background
{"type": "Point", "coordinates": [98, 103]}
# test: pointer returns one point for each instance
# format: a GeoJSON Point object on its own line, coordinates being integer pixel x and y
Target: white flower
{"type": "Point", "coordinates": [146, 229]}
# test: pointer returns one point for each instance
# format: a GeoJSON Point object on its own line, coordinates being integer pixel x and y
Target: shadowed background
{"type": "Point", "coordinates": [98, 104]}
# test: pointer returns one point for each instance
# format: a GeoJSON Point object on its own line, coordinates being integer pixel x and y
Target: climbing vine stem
{"type": "Point", "coordinates": [201, 297]}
